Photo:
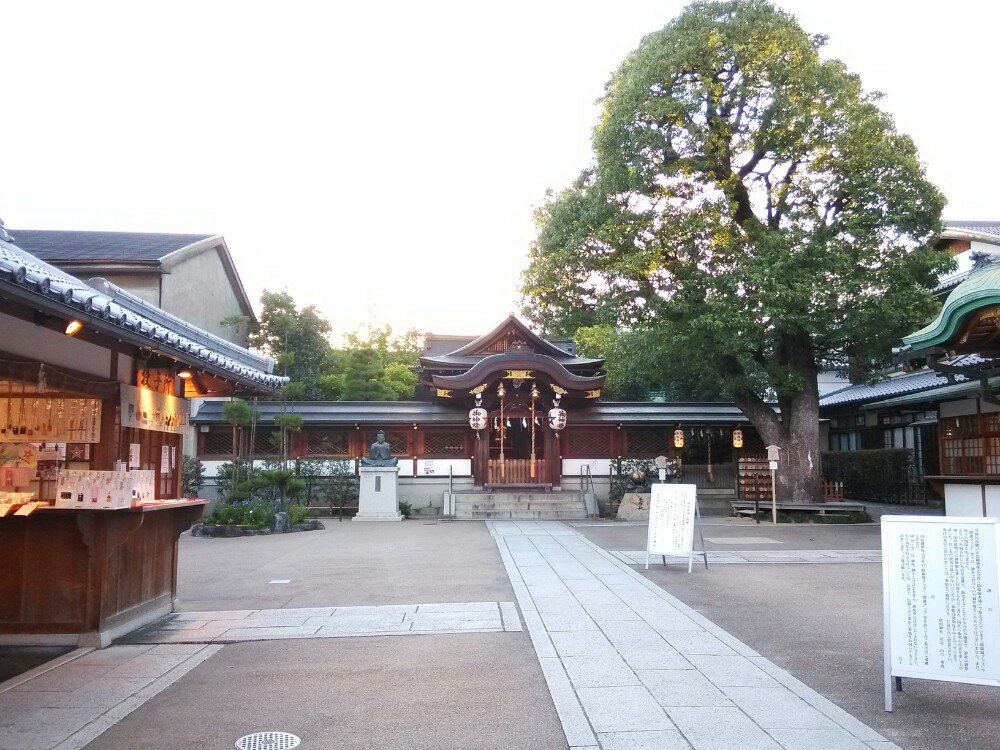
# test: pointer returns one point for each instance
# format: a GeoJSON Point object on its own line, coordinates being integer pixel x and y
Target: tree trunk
{"type": "Point", "coordinates": [795, 432]}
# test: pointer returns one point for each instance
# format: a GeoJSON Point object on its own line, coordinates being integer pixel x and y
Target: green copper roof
{"type": "Point", "coordinates": [981, 289]}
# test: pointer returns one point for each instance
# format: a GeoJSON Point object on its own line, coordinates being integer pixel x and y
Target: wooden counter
{"type": "Point", "coordinates": [87, 577]}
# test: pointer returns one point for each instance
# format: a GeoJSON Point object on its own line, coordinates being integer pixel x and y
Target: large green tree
{"type": "Point", "coordinates": [750, 203]}
{"type": "Point", "coordinates": [298, 339]}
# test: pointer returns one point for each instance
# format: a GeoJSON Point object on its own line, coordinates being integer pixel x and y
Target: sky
{"type": "Point", "coordinates": [382, 160]}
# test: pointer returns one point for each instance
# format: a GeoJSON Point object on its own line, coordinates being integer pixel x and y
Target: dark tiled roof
{"type": "Point", "coordinates": [983, 227]}
{"type": "Point", "coordinates": [427, 412]}
{"type": "Point", "coordinates": [24, 276]}
{"type": "Point", "coordinates": [116, 247]}
{"type": "Point", "coordinates": [898, 385]}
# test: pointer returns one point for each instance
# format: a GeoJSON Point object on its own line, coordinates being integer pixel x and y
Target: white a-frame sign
{"type": "Point", "coordinates": [672, 510]}
{"type": "Point", "coordinates": [941, 604]}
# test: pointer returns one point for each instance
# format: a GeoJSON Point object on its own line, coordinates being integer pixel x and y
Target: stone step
{"type": "Point", "coordinates": [553, 506]}
{"type": "Point", "coordinates": [549, 514]}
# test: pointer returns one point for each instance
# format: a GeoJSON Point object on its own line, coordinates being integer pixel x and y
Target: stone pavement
{"type": "Point", "coordinates": [331, 622]}
{"type": "Point", "coordinates": [630, 666]}
{"type": "Point", "coordinates": [68, 702]}
{"type": "Point", "coordinates": [737, 557]}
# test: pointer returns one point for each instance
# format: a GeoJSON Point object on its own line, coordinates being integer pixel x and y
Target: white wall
{"type": "Point", "coordinates": [43, 345]}
{"type": "Point", "coordinates": [196, 288]}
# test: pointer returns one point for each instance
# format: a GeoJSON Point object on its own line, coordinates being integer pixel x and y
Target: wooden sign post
{"type": "Point", "coordinates": [773, 456]}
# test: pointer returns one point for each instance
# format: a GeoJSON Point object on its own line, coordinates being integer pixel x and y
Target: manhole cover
{"type": "Point", "coordinates": [268, 741]}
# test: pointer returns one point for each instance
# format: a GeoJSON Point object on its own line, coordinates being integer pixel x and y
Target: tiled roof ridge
{"type": "Point", "coordinates": [27, 271]}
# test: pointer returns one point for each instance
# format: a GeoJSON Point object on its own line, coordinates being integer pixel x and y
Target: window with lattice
{"type": "Point", "coordinates": [395, 438]}
{"type": "Point", "coordinates": [327, 442]}
{"type": "Point", "coordinates": [647, 442]}
{"type": "Point", "coordinates": [217, 442]}
{"type": "Point", "coordinates": [450, 443]}
{"type": "Point", "coordinates": [589, 443]}
{"type": "Point", "coordinates": [266, 442]}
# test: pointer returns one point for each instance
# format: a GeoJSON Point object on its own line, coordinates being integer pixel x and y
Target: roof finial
{"type": "Point", "coordinates": [4, 234]}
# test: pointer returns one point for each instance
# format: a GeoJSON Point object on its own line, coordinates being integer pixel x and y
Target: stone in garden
{"type": "Point", "coordinates": [281, 523]}
{"type": "Point", "coordinates": [316, 525]}
{"type": "Point", "coordinates": [634, 507]}
{"type": "Point", "coordinates": [301, 527]}
{"type": "Point", "coordinates": [229, 531]}
{"type": "Point", "coordinates": [196, 529]}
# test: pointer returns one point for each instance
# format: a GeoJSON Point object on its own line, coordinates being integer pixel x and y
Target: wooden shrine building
{"type": "Point", "coordinates": [517, 378]}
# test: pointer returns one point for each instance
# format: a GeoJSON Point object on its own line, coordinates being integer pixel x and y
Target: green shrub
{"type": "Point", "coordinates": [297, 514]}
{"type": "Point", "coordinates": [252, 514]}
{"type": "Point", "coordinates": [276, 486]}
{"type": "Point", "coordinates": [874, 475]}
{"type": "Point", "coordinates": [192, 476]}
{"type": "Point", "coordinates": [405, 508]}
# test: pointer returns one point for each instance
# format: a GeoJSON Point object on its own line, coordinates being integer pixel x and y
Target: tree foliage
{"type": "Point", "coordinates": [750, 204]}
{"type": "Point", "coordinates": [374, 364]}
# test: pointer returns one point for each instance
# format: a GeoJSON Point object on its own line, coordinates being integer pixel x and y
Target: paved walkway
{"type": "Point", "coordinates": [737, 557]}
{"type": "Point", "coordinates": [68, 702]}
{"type": "Point", "coordinates": [331, 622]}
{"type": "Point", "coordinates": [630, 666]}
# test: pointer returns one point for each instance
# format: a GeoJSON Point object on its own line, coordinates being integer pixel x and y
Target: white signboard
{"type": "Point", "coordinates": [149, 410]}
{"type": "Point", "coordinates": [941, 605]}
{"type": "Point", "coordinates": [671, 521]}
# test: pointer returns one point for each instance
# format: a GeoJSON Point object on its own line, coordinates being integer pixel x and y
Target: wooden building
{"type": "Point", "coordinates": [517, 378]}
{"type": "Point", "coordinates": [94, 388]}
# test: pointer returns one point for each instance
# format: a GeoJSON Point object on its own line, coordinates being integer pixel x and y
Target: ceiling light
{"type": "Point", "coordinates": [184, 374]}
{"type": "Point", "coordinates": [73, 327]}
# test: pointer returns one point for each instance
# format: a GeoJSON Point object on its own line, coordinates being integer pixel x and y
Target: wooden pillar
{"type": "Point", "coordinates": [481, 458]}
{"type": "Point", "coordinates": [553, 462]}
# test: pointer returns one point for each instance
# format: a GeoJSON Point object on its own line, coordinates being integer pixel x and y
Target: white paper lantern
{"type": "Point", "coordinates": [557, 419]}
{"type": "Point", "coordinates": [478, 419]}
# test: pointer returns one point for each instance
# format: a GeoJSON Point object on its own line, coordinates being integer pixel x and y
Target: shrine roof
{"type": "Point", "coordinates": [451, 352]}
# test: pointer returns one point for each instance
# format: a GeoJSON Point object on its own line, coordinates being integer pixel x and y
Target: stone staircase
{"type": "Point", "coordinates": [521, 505]}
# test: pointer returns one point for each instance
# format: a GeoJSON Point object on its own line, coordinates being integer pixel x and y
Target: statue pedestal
{"type": "Point", "coordinates": [377, 497]}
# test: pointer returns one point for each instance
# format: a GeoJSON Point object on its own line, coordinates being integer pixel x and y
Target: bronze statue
{"type": "Point", "coordinates": [380, 453]}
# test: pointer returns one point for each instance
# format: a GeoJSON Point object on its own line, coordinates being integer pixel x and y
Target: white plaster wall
{"type": "Point", "coordinates": [599, 467]}
{"type": "Point", "coordinates": [439, 467]}
{"type": "Point", "coordinates": [197, 289]}
{"type": "Point", "coordinates": [43, 345]}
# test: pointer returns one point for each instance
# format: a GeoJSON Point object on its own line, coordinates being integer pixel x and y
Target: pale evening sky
{"type": "Point", "coordinates": [383, 158]}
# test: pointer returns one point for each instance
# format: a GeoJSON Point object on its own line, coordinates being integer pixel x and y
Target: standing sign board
{"type": "Point", "coordinates": [672, 509]}
{"type": "Point", "coordinates": [941, 608]}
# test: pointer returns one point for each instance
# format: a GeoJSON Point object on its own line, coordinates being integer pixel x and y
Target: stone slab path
{"type": "Point", "coordinates": [630, 666]}
{"type": "Point", "coordinates": [759, 557]}
{"type": "Point", "coordinates": [65, 704]}
{"type": "Point", "coordinates": [331, 622]}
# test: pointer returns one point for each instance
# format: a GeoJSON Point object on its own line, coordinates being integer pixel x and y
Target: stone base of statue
{"type": "Point", "coordinates": [377, 499]}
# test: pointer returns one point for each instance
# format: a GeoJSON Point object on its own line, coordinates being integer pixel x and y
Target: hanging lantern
{"type": "Point", "coordinates": [557, 418]}
{"type": "Point", "coordinates": [678, 438]}
{"type": "Point", "coordinates": [478, 418]}
{"type": "Point", "coordinates": [737, 438]}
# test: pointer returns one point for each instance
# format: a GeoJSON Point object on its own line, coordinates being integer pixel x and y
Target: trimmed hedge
{"type": "Point", "coordinates": [874, 475]}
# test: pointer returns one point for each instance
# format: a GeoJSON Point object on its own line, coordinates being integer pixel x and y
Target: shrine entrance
{"type": "Point", "coordinates": [522, 460]}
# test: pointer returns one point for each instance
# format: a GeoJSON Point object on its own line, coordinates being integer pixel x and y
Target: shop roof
{"type": "Point", "coordinates": [376, 413]}
{"type": "Point", "coordinates": [57, 246]}
{"type": "Point", "coordinates": [106, 308]}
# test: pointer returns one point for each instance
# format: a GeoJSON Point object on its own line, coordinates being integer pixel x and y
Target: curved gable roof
{"type": "Point", "coordinates": [981, 289]}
